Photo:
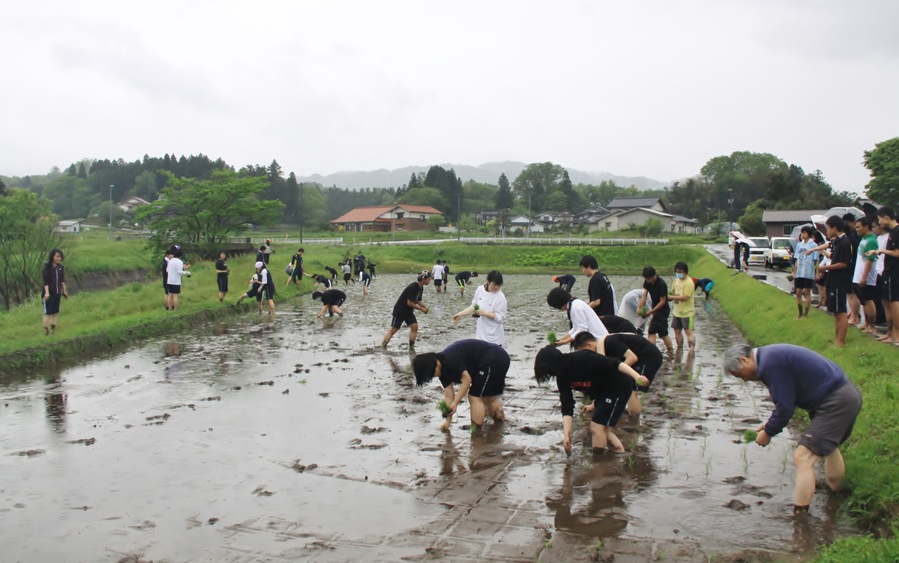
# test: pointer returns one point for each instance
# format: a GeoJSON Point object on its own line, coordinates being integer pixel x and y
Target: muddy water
{"type": "Point", "coordinates": [299, 439]}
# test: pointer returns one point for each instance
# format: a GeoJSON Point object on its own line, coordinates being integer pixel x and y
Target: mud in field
{"type": "Point", "coordinates": [300, 439]}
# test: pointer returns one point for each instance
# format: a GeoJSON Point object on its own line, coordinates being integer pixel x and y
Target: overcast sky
{"type": "Point", "coordinates": [649, 88]}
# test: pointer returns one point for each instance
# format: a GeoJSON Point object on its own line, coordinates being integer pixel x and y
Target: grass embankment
{"type": "Point", "coordinates": [768, 316]}
{"type": "Point", "coordinates": [94, 253]}
{"type": "Point", "coordinates": [92, 322]}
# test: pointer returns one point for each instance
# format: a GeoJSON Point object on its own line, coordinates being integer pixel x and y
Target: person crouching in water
{"type": "Point", "coordinates": [331, 299]}
{"type": "Point", "coordinates": [608, 381]}
{"type": "Point", "coordinates": [478, 367]}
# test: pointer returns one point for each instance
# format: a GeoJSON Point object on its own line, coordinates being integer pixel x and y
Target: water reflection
{"type": "Point", "coordinates": [56, 403]}
{"type": "Point", "coordinates": [591, 503]}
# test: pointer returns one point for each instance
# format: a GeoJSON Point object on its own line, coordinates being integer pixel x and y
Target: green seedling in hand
{"type": "Point", "coordinates": [475, 307]}
{"type": "Point", "coordinates": [443, 408]}
{"type": "Point", "coordinates": [552, 338]}
{"type": "Point", "coordinates": [750, 436]}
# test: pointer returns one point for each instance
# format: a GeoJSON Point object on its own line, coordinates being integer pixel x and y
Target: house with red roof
{"type": "Point", "coordinates": [386, 218]}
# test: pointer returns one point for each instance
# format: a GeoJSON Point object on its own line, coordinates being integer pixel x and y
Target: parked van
{"type": "Point", "coordinates": [779, 253]}
{"type": "Point", "coordinates": [757, 252]}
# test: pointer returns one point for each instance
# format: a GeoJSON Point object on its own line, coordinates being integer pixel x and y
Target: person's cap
{"type": "Point", "coordinates": [556, 279]}
{"type": "Point", "coordinates": [259, 264]}
{"type": "Point", "coordinates": [268, 240]}
{"type": "Point", "coordinates": [424, 274]}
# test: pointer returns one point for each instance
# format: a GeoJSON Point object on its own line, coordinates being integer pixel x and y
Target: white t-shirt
{"type": "Point", "coordinates": [437, 271]}
{"type": "Point", "coordinates": [490, 330]}
{"type": "Point", "coordinates": [628, 309]}
{"type": "Point", "coordinates": [584, 319]}
{"type": "Point", "coordinates": [882, 245]}
{"type": "Point", "coordinates": [175, 271]}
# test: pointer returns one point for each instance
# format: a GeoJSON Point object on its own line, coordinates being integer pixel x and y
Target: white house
{"type": "Point", "coordinates": [131, 203]}
{"type": "Point", "coordinates": [624, 219]}
{"type": "Point", "coordinates": [71, 226]}
{"type": "Point", "coordinates": [524, 224]}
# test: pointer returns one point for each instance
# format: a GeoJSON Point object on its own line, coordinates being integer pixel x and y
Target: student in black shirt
{"type": "Point", "coordinates": [221, 275]}
{"type": "Point", "coordinates": [332, 299]}
{"type": "Point", "coordinates": [601, 295]}
{"type": "Point", "coordinates": [656, 288]}
{"type": "Point", "coordinates": [478, 367]}
{"type": "Point", "coordinates": [332, 271]}
{"type": "Point", "coordinates": [404, 310]}
{"type": "Point", "coordinates": [839, 278]}
{"type": "Point", "coordinates": [890, 277]}
{"type": "Point", "coordinates": [849, 223]}
{"type": "Point", "coordinates": [614, 323]}
{"type": "Point", "coordinates": [608, 381]}
{"type": "Point", "coordinates": [637, 352]}
{"type": "Point", "coordinates": [565, 281]}
{"type": "Point", "coordinates": [463, 279]}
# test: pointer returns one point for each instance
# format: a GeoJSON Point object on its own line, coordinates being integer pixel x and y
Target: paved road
{"type": "Point", "coordinates": [776, 277]}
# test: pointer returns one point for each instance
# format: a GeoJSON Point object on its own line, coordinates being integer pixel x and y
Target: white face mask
{"type": "Point", "coordinates": [679, 275]}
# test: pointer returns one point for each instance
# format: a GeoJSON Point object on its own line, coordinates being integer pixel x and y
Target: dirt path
{"type": "Point", "coordinates": [301, 440]}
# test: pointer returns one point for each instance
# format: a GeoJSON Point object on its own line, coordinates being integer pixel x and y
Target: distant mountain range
{"type": "Point", "coordinates": [486, 173]}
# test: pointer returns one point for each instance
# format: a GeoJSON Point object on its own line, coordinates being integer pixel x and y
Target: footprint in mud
{"type": "Point", "coordinates": [261, 492]}
{"type": "Point", "coordinates": [735, 504]}
{"type": "Point", "coordinates": [356, 444]}
{"type": "Point", "coordinates": [85, 441]}
{"type": "Point", "coordinates": [29, 453]}
{"type": "Point", "coordinates": [300, 468]}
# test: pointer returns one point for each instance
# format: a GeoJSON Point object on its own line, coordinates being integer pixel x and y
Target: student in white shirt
{"type": "Point", "coordinates": [489, 307]}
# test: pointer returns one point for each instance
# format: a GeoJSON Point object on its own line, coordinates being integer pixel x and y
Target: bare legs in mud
{"type": "Point", "coordinates": [481, 408]}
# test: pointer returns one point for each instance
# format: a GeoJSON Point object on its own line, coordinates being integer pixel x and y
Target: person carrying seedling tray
{"type": "Point", "coordinates": [479, 369]}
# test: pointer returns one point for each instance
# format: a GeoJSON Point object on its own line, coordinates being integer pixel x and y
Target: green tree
{"type": "Point", "coordinates": [429, 196]}
{"type": "Point", "coordinates": [739, 179]}
{"type": "Point", "coordinates": [436, 221]}
{"type": "Point", "coordinates": [314, 205]}
{"type": "Point", "coordinates": [751, 220]}
{"type": "Point", "coordinates": [448, 185]}
{"type": "Point", "coordinates": [206, 213]}
{"type": "Point", "coordinates": [652, 227]}
{"type": "Point", "coordinates": [505, 198]}
{"type": "Point", "coordinates": [883, 162]}
{"type": "Point", "coordinates": [28, 234]}
{"type": "Point", "coordinates": [145, 186]}
{"type": "Point", "coordinates": [535, 181]}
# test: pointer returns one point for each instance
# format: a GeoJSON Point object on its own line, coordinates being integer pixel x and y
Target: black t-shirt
{"type": "Point", "coordinates": [841, 253]}
{"type": "Point", "coordinates": [165, 271]}
{"type": "Point", "coordinates": [333, 297]}
{"type": "Point", "coordinates": [618, 324]}
{"type": "Point", "coordinates": [658, 291]}
{"type": "Point", "coordinates": [297, 262]}
{"type": "Point", "coordinates": [221, 265]}
{"type": "Point", "coordinates": [617, 345]}
{"type": "Point", "coordinates": [412, 293]}
{"type": "Point", "coordinates": [593, 374]}
{"type": "Point", "coordinates": [890, 263]}
{"type": "Point", "coordinates": [471, 355]}
{"type": "Point", "coordinates": [601, 288]}
{"type": "Point", "coordinates": [854, 240]}
{"type": "Point", "coordinates": [463, 276]}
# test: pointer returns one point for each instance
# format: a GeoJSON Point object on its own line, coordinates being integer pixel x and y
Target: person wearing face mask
{"type": "Point", "coordinates": [683, 310]}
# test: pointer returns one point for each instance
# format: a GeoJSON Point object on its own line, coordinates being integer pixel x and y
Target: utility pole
{"type": "Point", "coordinates": [459, 216]}
{"type": "Point", "coordinates": [109, 226]}
{"type": "Point", "coordinates": [301, 213]}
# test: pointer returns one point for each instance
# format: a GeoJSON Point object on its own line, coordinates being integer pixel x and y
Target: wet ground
{"type": "Point", "coordinates": [299, 439]}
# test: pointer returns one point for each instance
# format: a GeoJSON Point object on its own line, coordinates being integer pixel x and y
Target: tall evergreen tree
{"type": "Point", "coordinates": [505, 198]}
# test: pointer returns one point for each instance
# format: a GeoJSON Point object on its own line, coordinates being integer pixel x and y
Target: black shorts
{"type": "Point", "coordinates": [268, 292]}
{"type": "Point", "coordinates": [397, 322]}
{"type": "Point", "coordinates": [832, 420]}
{"type": "Point", "coordinates": [492, 381]}
{"type": "Point", "coordinates": [804, 283]}
{"type": "Point", "coordinates": [866, 293]}
{"type": "Point", "coordinates": [173, 289]}
{"type": "Point", "coordinates": [659, 325]}
{"type": "Point", "coordinates": [889, 291]}
{"type": "Point", "coordinates": [337, 303]}
{"type": "Point", "coordinates": [165, 288]}
{"type": "Point", "coordinates": [836, 300]}
{"type": "Point", "coordinates": [366, 282]}
{"type": "Point", "coordinates": [609, 408]}
{"type": "Point", "coordinates": [51, 305]}
{"type": "Point", "coordinates": [648, 369]}
{"type": "Point", "coordinates": [223, 284]}
{"type": "Point", "coordinates": [347, 277]}
{"type": "Point", "coordinates": [297, 273]}
{"type": "Point", "coordinates": [438, 283]}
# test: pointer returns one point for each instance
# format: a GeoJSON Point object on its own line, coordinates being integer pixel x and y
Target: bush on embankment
{"type": "Point", "coordinates": [767, 315]}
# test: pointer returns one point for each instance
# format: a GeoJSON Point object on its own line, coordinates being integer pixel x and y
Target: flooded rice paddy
{"type": "Point", "coordinates": [300, 439]}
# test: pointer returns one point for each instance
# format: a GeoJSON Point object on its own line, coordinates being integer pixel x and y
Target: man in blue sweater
{"type": "Point", "coordinates": [798, 377]}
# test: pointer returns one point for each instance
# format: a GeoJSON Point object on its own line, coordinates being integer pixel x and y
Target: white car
{"type": "Point", "coordinates": [779, 253]}
{"type": "Point", "coordinates": [757, 252]}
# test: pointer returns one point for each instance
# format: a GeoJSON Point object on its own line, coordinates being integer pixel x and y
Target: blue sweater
{"type": "Point", "coordinates": [795, 377]}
